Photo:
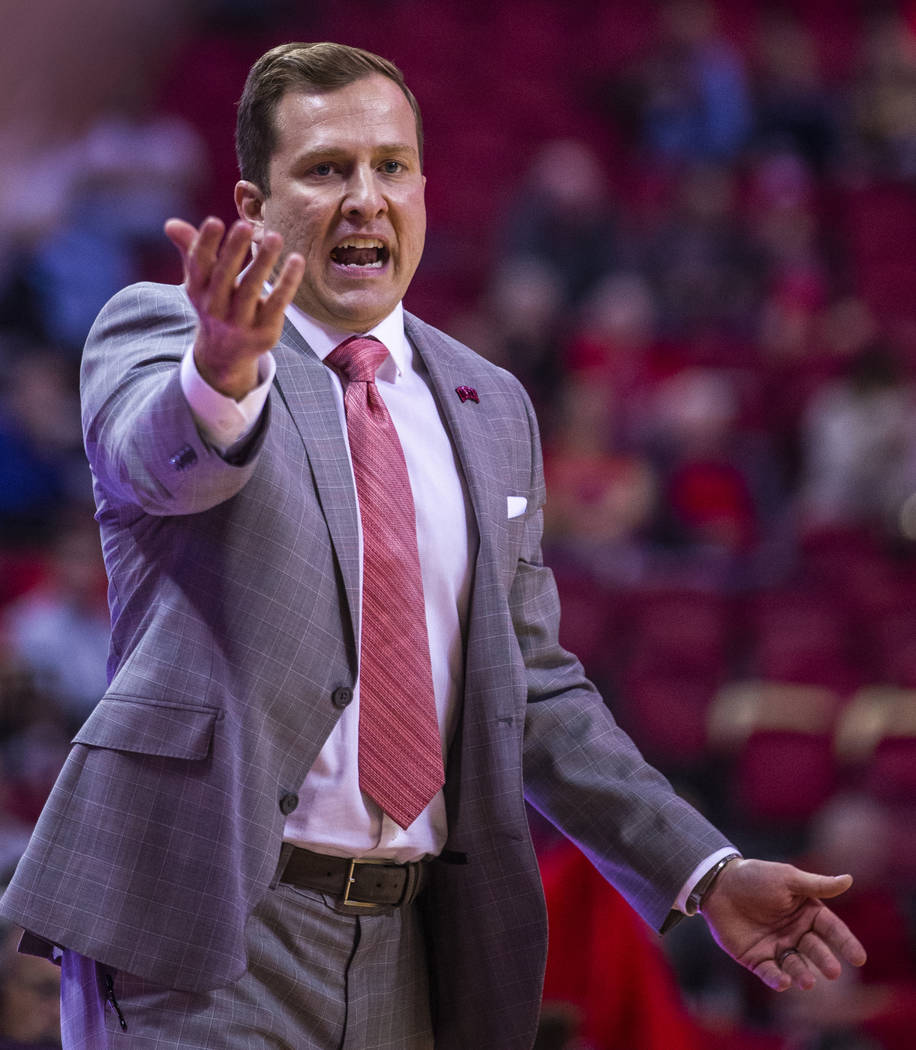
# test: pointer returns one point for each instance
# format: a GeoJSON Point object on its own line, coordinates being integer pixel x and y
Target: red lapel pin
{"type": "Point", "coordinates": [467, 393]}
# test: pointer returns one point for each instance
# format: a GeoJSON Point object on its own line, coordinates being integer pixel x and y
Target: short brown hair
{"type": "Point", "coordinates": [300, 67]}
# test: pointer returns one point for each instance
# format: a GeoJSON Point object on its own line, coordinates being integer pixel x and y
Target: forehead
{"type": "Point", "coordinates": [371, 110]}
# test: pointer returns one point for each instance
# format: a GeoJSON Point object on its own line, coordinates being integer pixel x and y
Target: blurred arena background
{"type": "Point", "coordinates": [689, 228]}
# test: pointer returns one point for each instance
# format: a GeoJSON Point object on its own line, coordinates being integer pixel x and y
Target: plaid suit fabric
{"type": "Point", "coordinates": [235, 595]}
{"type": "Point", "coordinates": [316, 979]}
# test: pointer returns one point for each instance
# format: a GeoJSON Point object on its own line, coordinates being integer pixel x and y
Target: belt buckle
{"type": "Point", "coordinates": [351, 879]}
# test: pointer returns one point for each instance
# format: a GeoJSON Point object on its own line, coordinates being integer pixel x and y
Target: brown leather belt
{"type": "Point", "coordinates": [353, 881]}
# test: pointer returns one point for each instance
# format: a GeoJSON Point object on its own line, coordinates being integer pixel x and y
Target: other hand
{"type": "Point", "coordinates": [239, 320]}
{"type": "Point", "coordinates": [771, 919]}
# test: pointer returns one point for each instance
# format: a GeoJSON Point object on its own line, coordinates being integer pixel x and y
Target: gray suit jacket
{"type": "Point", "coordinates": [233, 590]}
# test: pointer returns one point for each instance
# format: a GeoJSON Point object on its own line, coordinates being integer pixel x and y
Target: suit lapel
{"type": "Point", "coordinates": [305, 388]}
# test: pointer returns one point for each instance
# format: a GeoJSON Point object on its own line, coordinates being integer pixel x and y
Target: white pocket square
{"type": "Point", "coordinates": [516, 505]}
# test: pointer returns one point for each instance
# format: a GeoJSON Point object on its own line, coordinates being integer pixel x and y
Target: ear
{"type": "Point", "coordinates": [249, 203]}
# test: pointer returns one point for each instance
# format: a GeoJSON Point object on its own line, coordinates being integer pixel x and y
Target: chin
{"type": "Point", "coordinates": [362, 317]}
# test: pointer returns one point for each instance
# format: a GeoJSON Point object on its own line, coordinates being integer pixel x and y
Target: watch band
{"type": "Point", "coordinates": [694, 902]}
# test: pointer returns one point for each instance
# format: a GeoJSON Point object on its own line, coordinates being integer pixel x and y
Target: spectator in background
{"type": "Point", "coordinates": [516, 325]}
{"type": "Point", "coordinates": [564, 216]}
{"type": "Point", "coordinates": [803, 344]}
{"type": "Point", "coordinates": [702, 261]}
{"type": "Point", "coordinates": [795, 312]}
{"type": "Point", "coordinates": [59, 631]}
{"type": "Point", "coordinates": [613, 345]}
{"type": "Point", "coordinates": [33, 745]}
{"type": "Point", "coordinates": [783, 220]}
{"type": "Point", "coordinates": [42, 465]}
{"type": "Point", "coordinates": [65, 70]}
{"type": "Point", "coordinates": [884, 97]}
{"type": "Point", "coordinates": [707, 489]}
{"type": "Point", "coordinates": [859, 443]}
{"type": "Point", "coordinates": [601, 497]}
{"type": "Point", "coordinates": [19, 705]}
{"type": "Point", "coordinates": [130, 170]}
{"type": "Point", "coordinates": [792, 108]}
{"type": "Point", "coordinates": [693, 87]}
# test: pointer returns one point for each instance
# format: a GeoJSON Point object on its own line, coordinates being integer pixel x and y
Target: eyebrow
{"type": "Point", "coordinates": [334, 151]}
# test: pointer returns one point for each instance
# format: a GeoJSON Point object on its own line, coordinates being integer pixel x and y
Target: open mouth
{"type": "Point", "coordinates": [366, 253]}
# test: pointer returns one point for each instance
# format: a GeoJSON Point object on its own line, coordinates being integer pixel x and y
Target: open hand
{"type": "Point", "coordinates": [239, 320]}
{"type": "Point", "coordinates": [771, 919]}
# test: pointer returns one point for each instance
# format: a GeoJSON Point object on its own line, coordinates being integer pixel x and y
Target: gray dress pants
{"type": "Point", "coordinates": [317, 980]}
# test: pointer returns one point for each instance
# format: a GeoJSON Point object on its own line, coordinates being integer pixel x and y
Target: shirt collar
{"type": "Point", "coordinates": [390, 331]}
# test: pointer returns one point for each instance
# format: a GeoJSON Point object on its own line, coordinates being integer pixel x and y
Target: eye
{"type": "Point", "coordinates": [392, 167]}
{"type": "Point", "coordinates": [323, 169]}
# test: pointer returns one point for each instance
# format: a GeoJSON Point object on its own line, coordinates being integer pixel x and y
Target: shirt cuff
{"type": "Point", "coordinates": [222, 420]}
{"type": "Point", "coordinates": [680, 903]}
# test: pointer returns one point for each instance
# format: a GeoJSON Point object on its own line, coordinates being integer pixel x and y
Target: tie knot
{"type": "Point", "coordinates": [357, 358]}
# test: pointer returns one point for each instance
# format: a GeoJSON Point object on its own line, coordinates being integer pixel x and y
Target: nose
{"type": "Point", "coordinates": [363, 197]}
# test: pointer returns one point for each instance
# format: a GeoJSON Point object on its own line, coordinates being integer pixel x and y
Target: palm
{"type": "Point", "coordinates": [238, 320]}
{"type": "Point", "coordinates": [758, 911]}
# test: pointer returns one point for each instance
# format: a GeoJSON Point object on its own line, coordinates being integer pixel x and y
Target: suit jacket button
{"type": "Point", "coordinates": [288, 803]}
{"type": "Point", "coordinates": [341, 696]}
{"type": "Point", "coordinates": [185, 457]}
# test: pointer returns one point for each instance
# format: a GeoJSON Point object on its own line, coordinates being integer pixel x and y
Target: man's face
{"type": "Point", "coordinates": [347, 193]}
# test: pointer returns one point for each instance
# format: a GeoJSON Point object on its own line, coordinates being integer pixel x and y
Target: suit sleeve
{"type": "Point", "coordinates": [581, 770]}
{"type": "Point", "coordinates": [141, 439]}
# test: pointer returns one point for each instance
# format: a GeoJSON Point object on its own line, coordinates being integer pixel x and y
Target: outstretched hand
{"type": "Point", "coordinates": [239, 320]}
{"type": "Point", "coordinates": [771, 919]}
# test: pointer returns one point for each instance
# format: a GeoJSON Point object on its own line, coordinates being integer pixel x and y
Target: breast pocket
{"type": "Point", "coordinates": [516, 506]}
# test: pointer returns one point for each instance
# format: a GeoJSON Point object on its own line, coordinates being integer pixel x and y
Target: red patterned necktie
{"type": "Point", "coordinates": [400, 750]}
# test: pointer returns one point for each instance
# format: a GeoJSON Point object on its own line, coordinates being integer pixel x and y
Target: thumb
{"type": "Point", "coordinates": [807, 884]}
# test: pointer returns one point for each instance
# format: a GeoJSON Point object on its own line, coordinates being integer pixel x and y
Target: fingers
{"type": "Point", "coordinates": [238, 320]}
{"type": "Point", "coordinates": [182, 234]}
{"type": "Point", "coordinates": [211, 262]}
{"type": "Point", "coordinates": [820, 955]}
{"type": "Point", "coordinates": [794, 966]}
{"type": "Point", "coordinates": [221, 281]}
{"type": "Point", "coordinates": [216, 276]}
{"type": "Point", "coordinates": [248, 290]}
{"type": "Point", "coordinates": [772, 976]}
{"type": "Point", "coordinates": [286, 284]}
{"type": "Point", "coordinates": [829, 936]}
{"type": "Point", "coordinates": [790, 967]}
{"type": "Point", "coordinates": [833, 932]}
{"type": "Point", "coordinates": [214, 266]}
{"type": "Point", "coordinates": [210, 279]}
{"type": "Point", "coordinates": [816, 951]}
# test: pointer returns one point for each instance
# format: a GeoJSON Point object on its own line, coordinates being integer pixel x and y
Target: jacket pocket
{"type": "Point", "coordinates": [150, 727]}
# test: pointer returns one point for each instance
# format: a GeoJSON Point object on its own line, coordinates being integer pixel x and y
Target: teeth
{"type": "Point", "coordinates": [370, 248]}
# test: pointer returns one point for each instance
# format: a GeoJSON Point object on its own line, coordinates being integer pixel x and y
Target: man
{"type": "Point", "coordinates": [226, 861]}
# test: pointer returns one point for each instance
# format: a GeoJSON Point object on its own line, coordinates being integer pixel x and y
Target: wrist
{"type": "Point", "coordinates": [700, 894]}
{"type": "Point", "coordinates": [236, 382]}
